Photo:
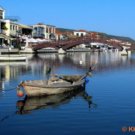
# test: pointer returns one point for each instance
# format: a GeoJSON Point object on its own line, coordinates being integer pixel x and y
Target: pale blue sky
{"type": "Point", "coordinates": [115, 17]}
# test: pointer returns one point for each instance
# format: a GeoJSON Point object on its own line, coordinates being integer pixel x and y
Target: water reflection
{"type": "Point", "coordinates": [37, 65]}
{"type": "Point", "coordinates": [102, 88]}
{"type": "Point", "coordinates": [27, 105]}
{"type": "Point", "coordinates": [101, 60]}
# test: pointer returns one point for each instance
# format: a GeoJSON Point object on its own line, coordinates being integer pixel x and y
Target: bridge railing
{"type": "Point", "coordinates": [66, 44]}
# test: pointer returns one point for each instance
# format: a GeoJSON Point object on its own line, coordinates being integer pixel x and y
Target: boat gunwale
{"type": "Point", "coordinates": [75, 84]}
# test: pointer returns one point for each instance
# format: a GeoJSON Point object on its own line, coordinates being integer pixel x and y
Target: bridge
{"type": "Point", "coordinates": [67, 44]}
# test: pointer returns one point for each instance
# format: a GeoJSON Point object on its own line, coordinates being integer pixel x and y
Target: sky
{"type": "Point", "coordinates": [116, 17]}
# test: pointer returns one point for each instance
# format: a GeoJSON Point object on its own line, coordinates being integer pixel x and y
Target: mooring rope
{"type": "Point", "coordinates": [10, 89]}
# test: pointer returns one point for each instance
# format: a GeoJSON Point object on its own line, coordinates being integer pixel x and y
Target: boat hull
{"type": "Point", "coordinates": [40, 91]}
{"type": "Point", "coordinates": [12, 58]}
{"type": "Point", "coordinates": [52, 86]}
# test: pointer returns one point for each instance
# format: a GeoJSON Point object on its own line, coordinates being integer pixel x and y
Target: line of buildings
{"type": "Point", "coordinates": [11, 30]}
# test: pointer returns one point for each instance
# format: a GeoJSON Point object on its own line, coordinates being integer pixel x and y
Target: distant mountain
{"type": "Point", "coordinates": [104, 35]}
{"type": "Point", "coordinates": [65, 30]}
{"type": "Point", "coordinates": [126, 39]}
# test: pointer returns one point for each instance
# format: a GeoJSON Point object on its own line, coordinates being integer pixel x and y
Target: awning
{"type": "Point", "coordinates": [26, 26]}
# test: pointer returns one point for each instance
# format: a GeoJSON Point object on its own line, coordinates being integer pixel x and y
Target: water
{"type": "Point", "coordinates": [107, 104]}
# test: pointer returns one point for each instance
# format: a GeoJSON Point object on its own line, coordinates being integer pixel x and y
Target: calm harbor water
{"type": "Point", "coordinates": [106, 105]}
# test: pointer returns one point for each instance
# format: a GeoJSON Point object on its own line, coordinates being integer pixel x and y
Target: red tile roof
{"type": "Point", "coordinates": [81, 31]}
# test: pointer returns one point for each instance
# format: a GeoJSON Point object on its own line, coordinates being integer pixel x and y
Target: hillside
{"type": "Point", "coordinates": [104, 35]}
{"type": "Point", "coordinates": [128, 39]}
{"type": "Point", "coordinates": [65, 30]}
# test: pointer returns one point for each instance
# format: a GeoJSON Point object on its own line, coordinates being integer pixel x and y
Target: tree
{"type": "Point", "coordinates": [3, 27]}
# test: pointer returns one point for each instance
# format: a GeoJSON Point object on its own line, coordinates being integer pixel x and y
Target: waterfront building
{"type": "Point", "coordinates": [12, 28]}
{"type": "Point", "coordinates": [80, 33]}
{"type": "Point", "coordinates": [64, 34]}
{"type": "Point", "coordinates": [2, 13]}
{"type": "Point", "coordinates": [25, 30]}
{"type": "Point", "coordinates": [60, 35]}
{"type": "Point", "coordinates": [41, 30]}
{"type": "Point", "coordinates": [3, 36]}
{"type": "Point", "coordinates": [94, 35]}
{"type": "Point", "coordinates": [9, 30]}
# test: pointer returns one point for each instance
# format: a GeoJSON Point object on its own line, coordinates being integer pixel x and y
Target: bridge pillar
{"type": "Point", "coordinates": [61, 51]}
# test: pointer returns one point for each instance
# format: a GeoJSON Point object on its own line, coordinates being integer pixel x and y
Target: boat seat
{"type": "Point", "coordinates": [57, 81]}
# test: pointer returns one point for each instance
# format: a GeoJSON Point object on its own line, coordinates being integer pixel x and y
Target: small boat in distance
{"type": "Point", "coordinates": [55, 85]}
{"type": "Point", "coordinates": [10, 58]}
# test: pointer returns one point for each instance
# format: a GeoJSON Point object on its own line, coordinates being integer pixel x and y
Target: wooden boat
{"type": "Point", "coordinates": [12, 58]}
{"type": "Point", "coordinates": [29, 104]}
{"type": "Point", "coordinates": [55, 85]}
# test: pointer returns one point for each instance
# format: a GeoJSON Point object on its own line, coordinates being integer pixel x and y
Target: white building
{"type": "Point", "coordinates": [41, 30]}
{"type": "Point", "coordinates": [80, 33]}
{"type": "Point", "coordinates": [2, 17]}
{"type": "Point", "coordinates": [3, 36]}
{"type": "Point", "coordinates": [2, 13]}
{"type": "Point", "coordinates": [12, 28]}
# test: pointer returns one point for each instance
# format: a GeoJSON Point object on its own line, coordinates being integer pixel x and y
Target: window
{"type": "Point", "coordinates": [47, 30]}
{"type": "Point", "coordinates": [82, 35]}
{"type": "Point", "coordinates": [10, 27]}
{"type": "Point", "coordinates": [1, 14]}
{"type": "Point", "coordinates": [13, 27]}
{"type": "Point", "coordinates": [77, 34]}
